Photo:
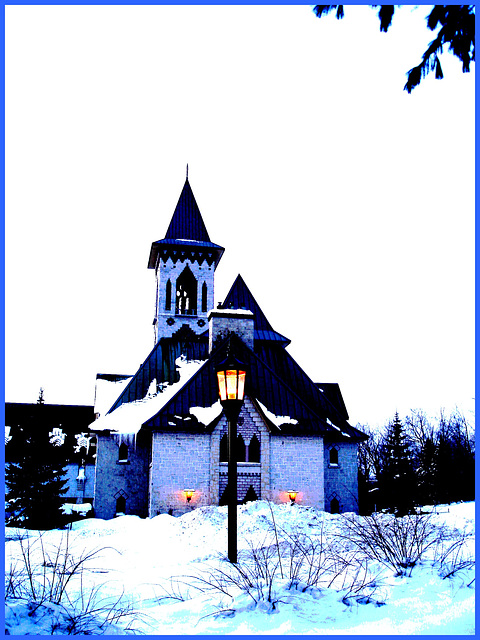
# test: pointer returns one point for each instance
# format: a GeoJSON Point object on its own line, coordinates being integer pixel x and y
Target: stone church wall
{"type": "Point", "coordinates": [341, 480]}
{"type": "Point", "coordinates": [179, 461]}
{"type": "Point", "coordinates": [170, 270]}
{"type": "Point", "coordinates": [297, 463]}
{"type": "Point", "coordinates": [115, 478]}
{"type": "Point", "coordinates": [249, 473]}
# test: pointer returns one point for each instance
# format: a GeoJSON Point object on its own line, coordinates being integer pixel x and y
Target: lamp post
{"type": "Point", "coordinates": [231, 388]}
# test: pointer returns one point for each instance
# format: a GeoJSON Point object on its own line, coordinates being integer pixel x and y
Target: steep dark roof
{"type": "Point", "coordinates": [160, 363]}
{"type": "Point", "coordinates": [186, 235]}
{"type": "Point", "coordinates": [240, 297]}
{"type": "Point", "coordinates": [187, 222]}
{"type": "Point", "coordinates": [262, 385]}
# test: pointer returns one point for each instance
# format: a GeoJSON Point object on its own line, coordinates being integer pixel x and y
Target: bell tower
{"type": "Point", "coordinates": [184, 262]}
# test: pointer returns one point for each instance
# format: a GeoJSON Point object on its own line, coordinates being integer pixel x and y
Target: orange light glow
{"type": "Point", "coordinates": [231, 384]}
{"type": "Point", "coordinates": [221, 385]}
{"type": "Point", "coordinates": [292, 495]}
{"type": "Point", "coordinates": [241, 384]}
{"type": "Point", "coordinates": [188, 494]}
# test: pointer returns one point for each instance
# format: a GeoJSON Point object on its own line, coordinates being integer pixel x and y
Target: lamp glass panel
{"type": "Point", "coordinates": [221, 385]}
{"type": "Point", "coordinates": [231, 375]}
{"type": "Point", "coordinates": [241, 384]}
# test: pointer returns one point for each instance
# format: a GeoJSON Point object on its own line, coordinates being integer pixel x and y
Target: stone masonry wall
{"type": "Point", "coordinates": [297, 464]}
{"type": "Point", "coordinates": [225, 321]}
{"type": "Point", "coordinates": [179, 461]}
{"type": "Point", "coordinates": [341, 481]}
{"type": "Point", "coordinates": [249, 474]}
{"type": "Point", "coordinates": [115, 478]}
{"type": "Point", "coordinates": [171, 271]}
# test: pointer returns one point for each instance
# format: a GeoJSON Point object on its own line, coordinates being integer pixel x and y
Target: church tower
{"type": "Point", "coordinates": [184, 262]}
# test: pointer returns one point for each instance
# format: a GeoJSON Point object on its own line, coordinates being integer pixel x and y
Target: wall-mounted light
{"type": "Point", "coordinates": [188, 494]}
{"type": "Point", "coordinates": [292, 495]}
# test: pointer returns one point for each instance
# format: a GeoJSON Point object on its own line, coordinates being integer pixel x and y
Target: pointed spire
{"type": "Point", "coordinates": [187, 222]}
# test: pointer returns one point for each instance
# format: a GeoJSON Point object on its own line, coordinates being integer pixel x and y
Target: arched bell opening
{"type": "Point", "coordinates": [186, 298]}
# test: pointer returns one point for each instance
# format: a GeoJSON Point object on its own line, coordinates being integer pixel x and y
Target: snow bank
{"type": "Point", "coordinates": [129, 417]}
{"type": "Point", "coordinates": [151, 558]}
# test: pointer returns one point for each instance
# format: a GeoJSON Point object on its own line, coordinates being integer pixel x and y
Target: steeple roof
{"type": "Point", "coordinates": [187, 234]}
{"type": "Point", "coordinates": [187, 222]}
{"type": "Point", "coordinates": [240, 297]}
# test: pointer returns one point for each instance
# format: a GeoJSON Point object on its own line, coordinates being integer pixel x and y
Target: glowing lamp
{"type": "Point", "coordinates": [188, 494]}
{"type": "Point", "coordinates": [292, 495]}
{"type": "Point", "coordinates": [231, 381]}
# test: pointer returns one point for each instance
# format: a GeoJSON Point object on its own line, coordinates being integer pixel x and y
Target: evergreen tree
{"type": "Point", "coordinates": [456, 29]}
{"type": "Point", "coordinates": [36, 479]}
{"type": "Point", "coordinates": [397, 478]}
{"type": "Point", "coordinates": [426, 473]}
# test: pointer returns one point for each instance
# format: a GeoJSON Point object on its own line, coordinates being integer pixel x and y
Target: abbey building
{"type": "Point", "coordinates": [161, 433]}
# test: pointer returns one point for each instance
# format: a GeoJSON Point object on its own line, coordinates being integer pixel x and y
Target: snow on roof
{"type": "Point", "coordinates": [81, 509]}
{"type": "Point", "coordinates": [232, 312]}
{"type": "Point", "coordinates": [129, 417]}
{"type": "Point", "coordinates": [277, 420]}
{"type": "Point", "coordinates": [106, 392]}
{"type": "Point", "coordinates": [206, 415]}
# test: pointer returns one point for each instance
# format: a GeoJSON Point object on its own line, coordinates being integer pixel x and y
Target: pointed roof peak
{"type": "Point", "coordinates": [240, 297]}
{"type": "Point", "coordinates": [187, 222]}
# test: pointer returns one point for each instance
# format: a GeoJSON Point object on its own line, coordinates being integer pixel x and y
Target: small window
{"type": "Point", "coordinates": [121, 506]}
{"type": "Point", "coordinates": [251, 495]}
{"type": "Point", "coordinates": [123, 453]}
{"type": "Point", "coordinates": [204, 297]}
{"type": "Point", "coordinates": [168, 296]}
{"type": "Point", "coordinates": [224, 448]}
{"type": "Point", "coordinates": [334, 457]}
{"type": "Point", "coordinates": [241, 450]}
{"type": "Point", "coordinates": [334, 506]}
{"type": "Point", "coordinates": [254, 450]}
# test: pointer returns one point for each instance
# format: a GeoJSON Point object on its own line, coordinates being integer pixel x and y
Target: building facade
{"type": "Point", "coordinates": [162, 431]}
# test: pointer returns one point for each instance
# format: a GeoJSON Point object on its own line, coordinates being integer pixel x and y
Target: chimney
{"type": "Point", "coordinates": [222, 322]}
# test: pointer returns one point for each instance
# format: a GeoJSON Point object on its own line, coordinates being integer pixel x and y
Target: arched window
{"type": "Point", "coordinates": [250, 496]}
{"type": "Point", "coordinates": [123, 453]}
{"type": "Point", "coordinates": [240, 449]}
{"type": "Point", "coordinates": [186, 303]}
{"type": "Point", "coordinates": [224, 497]}
{"type": "Point", "coordinates": [334, 456]}
{"type": "Point", "coordinates": [168, 296]}
{"type": "Point", "coordinates": [334, 506]}
{"type": "Point", "coordinates": [254, 450]}
{"type": "Point", "coordinates": [204, 297]}
{"type": "Point", "coordinates": [224, 448]}
{"type": "Point", "coordinates": [121, 505]}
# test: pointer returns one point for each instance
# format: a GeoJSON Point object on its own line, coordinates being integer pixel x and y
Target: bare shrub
{"type": "Point", "coordinates": [42, 577]}
{"type": "Point", "coordinates": [398, 543]}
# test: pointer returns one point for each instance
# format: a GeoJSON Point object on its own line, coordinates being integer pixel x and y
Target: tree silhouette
{"type": "Point", "coordinates": [36, 480]}
{"type": "Point", "coordinates": [457, 30]}
{"type": "Point", "coordinates": [397, 478]}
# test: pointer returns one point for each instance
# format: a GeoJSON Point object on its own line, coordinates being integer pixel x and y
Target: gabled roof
{"type": "Point", "coordinates": [240, 297]}
{"type": "Point", "coordinates": [159, 365]}
{"type": "Point", "coordinates": [186, 230]}
{"type": "Point", "coordinates": [262, 385]}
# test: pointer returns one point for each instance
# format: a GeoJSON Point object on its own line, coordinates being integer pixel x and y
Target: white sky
{"type": "Point", "coordinates": [346, 204]}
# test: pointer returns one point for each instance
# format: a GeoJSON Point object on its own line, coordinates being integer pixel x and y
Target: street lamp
{"type": "Point", "coordinates": [231, 376]}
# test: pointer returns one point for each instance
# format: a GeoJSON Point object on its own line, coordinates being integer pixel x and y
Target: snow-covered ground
{"type": "Point", "coordinates": [161, 568]}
